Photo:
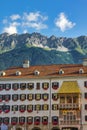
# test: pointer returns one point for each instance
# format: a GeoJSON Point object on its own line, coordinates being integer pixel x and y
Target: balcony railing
{"type": "Point", "coordinates": [77, 122]}
{"type": "Point", "coordinates": [68, 106]}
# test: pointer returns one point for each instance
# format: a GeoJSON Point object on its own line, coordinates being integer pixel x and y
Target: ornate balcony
{"type": "Point", "coordinates": [68, 106]}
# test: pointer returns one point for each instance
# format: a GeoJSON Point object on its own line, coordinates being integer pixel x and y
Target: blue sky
{"type": "Point", "coordinates": [67, 18]}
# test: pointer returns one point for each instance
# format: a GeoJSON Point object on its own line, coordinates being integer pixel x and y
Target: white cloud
{"type": "Point", "coordinates": [10, 30]}
{"type": "Point", "coordinates": [34, 16]}
{"type": "Point", "coordinates": [63, 23]}
{"type": "Point", "coordinates": [37, 26]}
{"type": "Point", "coordinates": [32, 20]}
{"type": "Point", "coordinates": [15, 16]}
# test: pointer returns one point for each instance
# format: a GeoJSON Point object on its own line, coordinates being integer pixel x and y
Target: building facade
{"type": "Point", "coordinates": [48, 97]}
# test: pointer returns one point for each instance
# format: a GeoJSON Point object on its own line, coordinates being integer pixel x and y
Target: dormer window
{"type": "Point", "coordinates": [36, 72]}
{"type": "Point", "coordinates": [81, 71]}
{"type": "Point", "coordinates": [2, 73]}
{"type": "Point", "coordinates": [61, 71]}
{"type": "Point", "coordinates": [18, 73]}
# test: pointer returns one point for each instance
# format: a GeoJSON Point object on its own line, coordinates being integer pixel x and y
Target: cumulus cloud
{"type": "Point", "coordinates": [63, 23]}
{"type": "Point", "coordinates": [34, 20]}
{"type": "Point", "coordinates": [26, 21]}
{"type": "Point", "coordinates": [34, 16]}
{"type": "Point", "coordinates": [11, 29]}
{"type": "Point", "coordinates": [15, 17]}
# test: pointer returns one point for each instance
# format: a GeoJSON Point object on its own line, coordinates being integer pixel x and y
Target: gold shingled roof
{"type": "Point", "coordinates": [69, 87]}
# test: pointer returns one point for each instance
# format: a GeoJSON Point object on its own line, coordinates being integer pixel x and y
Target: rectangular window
{"type": "Point", "coordinates": [37, 86]}
{"type": "Point", "coordinates": [62, 99]}
{"type": "Point", "coordinates": [85, 106]}
{"type": "Point", "coordinates": [85, 83]}
{"type": "Point", "coordinates": [85, 118]}
{"type": "Point", "coordinates": [85, 95]}
{"type": "Point", "coordinates": [69, 99]}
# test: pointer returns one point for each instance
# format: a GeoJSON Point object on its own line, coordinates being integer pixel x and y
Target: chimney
{"type": "Point", "coordinates": [26, 64]}
{"type": "Point", "coordinates": [84, 61]}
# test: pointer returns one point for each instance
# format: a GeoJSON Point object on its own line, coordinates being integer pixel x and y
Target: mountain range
{"type": "Point", "coordinates": [40, 49]}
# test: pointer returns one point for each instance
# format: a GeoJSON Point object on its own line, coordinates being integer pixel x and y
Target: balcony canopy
{"type": "Point", "coordinates": [69, 87]}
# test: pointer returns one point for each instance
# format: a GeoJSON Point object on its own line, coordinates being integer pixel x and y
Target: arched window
{"type": "Point", "coordinates": [6, 120]}
{"type": "Point", "coordinates": [22, 108]}
{"type": "Point", "coordinates": [45, 107]}
{"type": "Point", "coordinates": [45, 96]}
{"type": "Point", "coordinates": [14, 120]}
{"type": "Point", "coordinates": [1, 98]}
{"type": "Point", "coordinates": [1, 87]}
{"type": "Point", "coordinates": [7, 86]}
{"type": "Point", "coordinates": [37, 120]}
{"type": "Point", "coordinates": [54, 96]}
{"type": "Point", "coordinates": [55, 85]}
{"type": "Point", "coordinates": [14, 108]}
{"type": "Point", "coordinates": [30, 86]}
{"type": "Point", "coordinates": [38, 96]}
{"type": "Point", "coordinates": [0, 108]}
{"type": "Point", "coordinates": [45, 85]}
{"type": "Point", "coordinates": [21, 120]}
{"type": "Point", "coordinates": [30, 108]}
{"type": "Point", "coordinates": [38, 107]}
{"type": "Point", "coordinates": [29, 120]}
{"type": "Point", "coordinates": [44, 120]}
{"type": "Point", "coordinates": [15, 86]}
{"type": "Point", "coordinates": [1, 120]}
{"type": "Point", "coordinates": [54, 106]}
{"type": "Point", "coordinates": [6, 108]}
{"type": "Point", "coordinates": [54, 120]}
{"type": "Point", "coordinates": [23, 86]}
{"type": "Point", "coordinates": [7, 97]}
{"type": "Point", "coordinates": [30, 97]}
{"type": "Point", "coordinates": [23, 97]}
{"type": "Point", "coordinates": [15, 97]}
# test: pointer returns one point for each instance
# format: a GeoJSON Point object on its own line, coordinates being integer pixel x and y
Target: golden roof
{"type": "Point", "coordinates": [69, 87]}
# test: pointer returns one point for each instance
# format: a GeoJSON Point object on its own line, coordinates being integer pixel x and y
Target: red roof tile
{"type": "Point", "coordinates": [46, 71]}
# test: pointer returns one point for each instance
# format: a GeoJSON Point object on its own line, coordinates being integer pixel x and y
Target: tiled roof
{"type": "Point", "coordinates": [69, 87]}
{"type": "Point", "coordinates": [46, 71]}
